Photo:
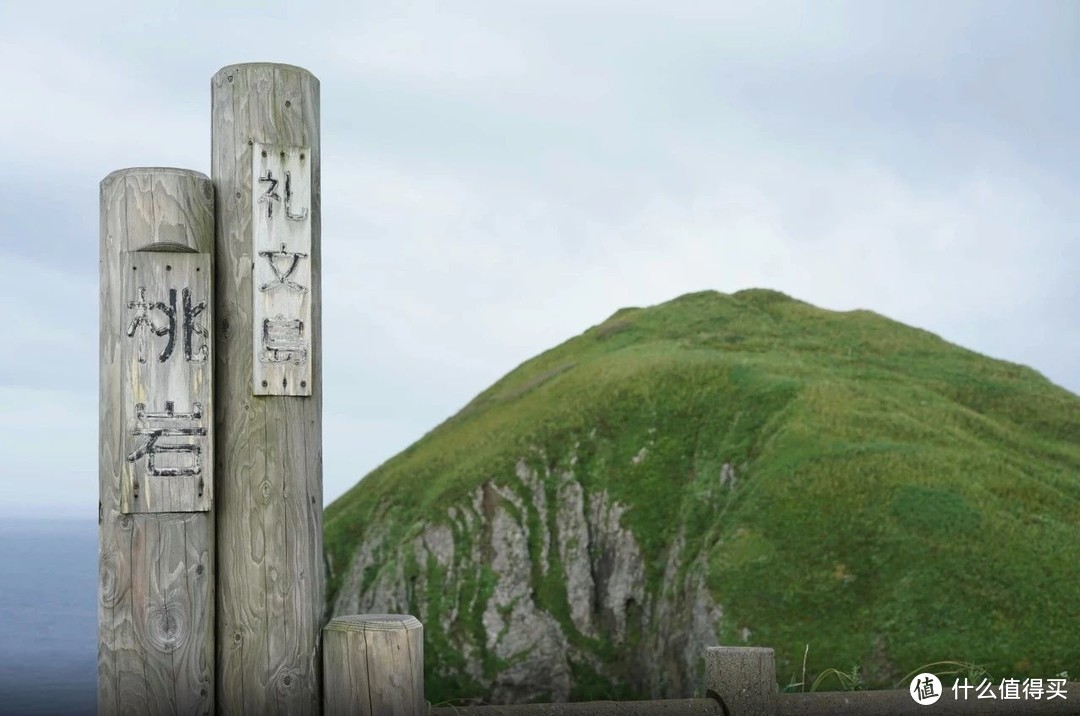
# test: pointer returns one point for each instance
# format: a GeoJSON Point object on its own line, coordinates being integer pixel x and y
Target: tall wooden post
{"type": "Point", "coordinates": [156, 534]}
{"type": "Point", "coordinates": [265, 167]}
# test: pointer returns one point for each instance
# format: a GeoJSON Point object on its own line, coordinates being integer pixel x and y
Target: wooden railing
{"type": "Point", "coordinates": [373, 665]}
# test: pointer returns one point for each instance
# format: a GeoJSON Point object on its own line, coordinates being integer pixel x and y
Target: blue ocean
{"type": "Point", "coordinates": [48, 616]}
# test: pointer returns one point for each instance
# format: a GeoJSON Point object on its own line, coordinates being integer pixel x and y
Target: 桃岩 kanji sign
{"type": "Point", "coordinates": [167, 450]}
{"type": "Point", "coordinates": [281, 270]}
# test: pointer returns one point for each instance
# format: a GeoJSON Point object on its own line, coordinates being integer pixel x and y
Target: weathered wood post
{"type": "Point", "coordinates": [742, 678]}
{"type": "Point", "coordinates": [265, 167]}
{"type": "Point", "coordinates": [373, 665]}
{"type": "Point", "coordinates": [156, 534]}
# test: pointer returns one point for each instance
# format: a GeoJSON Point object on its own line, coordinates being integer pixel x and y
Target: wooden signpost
{"type": "Point", "coordinates": [265, 167]}
{"type": "Point", "coordinates": [156, 567]}
{"type": "Point", "coordinates": [211, 590]}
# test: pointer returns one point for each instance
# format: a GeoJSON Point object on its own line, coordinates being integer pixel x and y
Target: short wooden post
{"type": "Point", "coordinates": [265, 167]}
{"type": "Point", "coordinates": [743, 679]}
{"type": "Point", "coordinates": [156, 535]}
{"type": "Point", "coordinates": [373, 665]}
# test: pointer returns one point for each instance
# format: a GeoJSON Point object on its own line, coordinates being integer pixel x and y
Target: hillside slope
{"type": "Point", "coordinates": [732, 469]}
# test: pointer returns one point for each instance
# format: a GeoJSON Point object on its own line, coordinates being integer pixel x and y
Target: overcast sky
{"type": "Point", "coordinates": [499, 176]}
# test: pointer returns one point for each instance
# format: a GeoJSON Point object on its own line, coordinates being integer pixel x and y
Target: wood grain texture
{"type": "Point", "coordinates": [167, 382]}
{"type": "Point", "coordinates": [374, 666]}
{"type": "Point", "coordinates": [268, 499]}
{"type": "Point", "coordinates": [156, 577]}
{"type": "Point", "coordinates": [281, 300]}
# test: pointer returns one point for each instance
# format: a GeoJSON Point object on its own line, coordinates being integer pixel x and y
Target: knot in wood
{"type": "Point", "coordinates": [108, 590]}
{"type": "Point", "coordinates": [166, 626]}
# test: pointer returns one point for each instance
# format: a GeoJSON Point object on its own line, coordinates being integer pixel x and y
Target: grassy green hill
{"type": "Point", "coordinates": [899, 499]}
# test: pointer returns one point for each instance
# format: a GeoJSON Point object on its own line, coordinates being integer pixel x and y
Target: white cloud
{"type": "Point", "coordinates": [453, 262]}
{"type": "Point", "coordinates": [51, 317]}
{"type": "Point", "coordinates": [433, 45]}
{"type": "Point", "coordinates": [77, 109]}
{"type": "Point", "coordinates": [498, 177]}
{"type": "Point", "coordinates": [50, 451]}
{"type": "Point", "coordinates": [354, 446]}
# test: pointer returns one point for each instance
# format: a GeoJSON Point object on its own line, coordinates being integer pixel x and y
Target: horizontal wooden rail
{"type": "Point", "coordinates": [374, 665]}
{"type": "Point", "coordinates": [743, 679]}
{"type": "Point", "coordinates": [900, 703]}
{"type": "Point", "coordinates": [818, 703]}
{"type": "Point", "coordinates": [669, 707]}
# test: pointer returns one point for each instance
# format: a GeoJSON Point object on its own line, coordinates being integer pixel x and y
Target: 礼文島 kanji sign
{"type": "Point", "coordinates": [281, 271]}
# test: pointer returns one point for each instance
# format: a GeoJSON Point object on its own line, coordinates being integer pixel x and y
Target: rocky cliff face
{"type": "Point", "coordinates": [534, 585]}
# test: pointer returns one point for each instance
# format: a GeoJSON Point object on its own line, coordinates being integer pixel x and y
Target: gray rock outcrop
{"type": "Point", "coordinates": [533, 579]}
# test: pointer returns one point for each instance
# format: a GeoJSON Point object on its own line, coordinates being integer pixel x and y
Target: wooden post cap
{"type": "Point", "coordinates": [374, 622]}
{"type": "Point", "coordinates": [742, 678]}
{"type": "Point", "coordinates": [373, 665]}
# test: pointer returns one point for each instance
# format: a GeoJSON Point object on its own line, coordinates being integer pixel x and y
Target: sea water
{"type": "Point", "coordinates": [48, 616]}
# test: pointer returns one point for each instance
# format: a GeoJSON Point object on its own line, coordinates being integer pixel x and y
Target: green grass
{"type": "Point", "coordinates": [833, 679]}
{"type": "Point", "coordinates": [905, 500]}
